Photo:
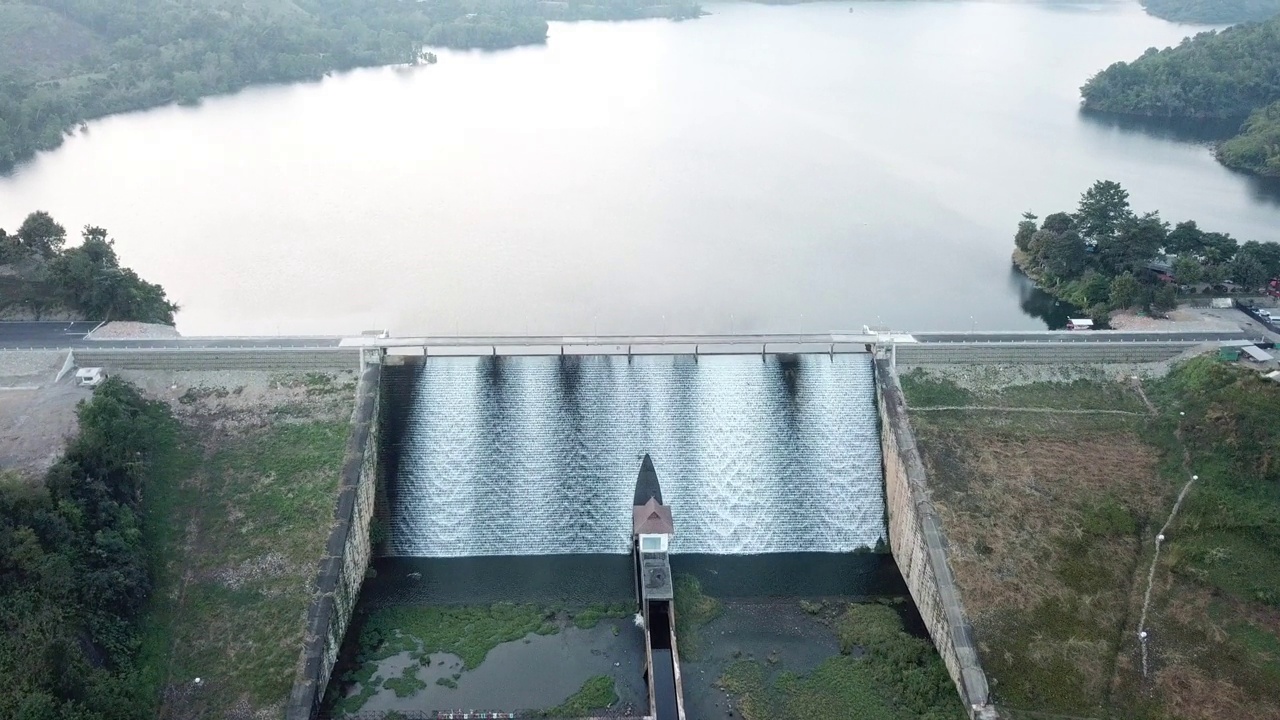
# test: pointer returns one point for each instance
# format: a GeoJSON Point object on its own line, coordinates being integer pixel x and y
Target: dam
{"type": "Point", "coordinates": [489, 456]}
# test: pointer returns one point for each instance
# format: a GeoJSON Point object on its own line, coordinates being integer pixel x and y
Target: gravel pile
{"type": "Point", "coordinates": [22, 364]}
{"type": "Point", "coordinates": [134, 331]}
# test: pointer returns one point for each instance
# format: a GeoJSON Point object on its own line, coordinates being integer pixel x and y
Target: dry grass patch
{"type": "Point", "coordinates": [1044, 516]}
{"type": "Point", "coordinates": [1052, 517]}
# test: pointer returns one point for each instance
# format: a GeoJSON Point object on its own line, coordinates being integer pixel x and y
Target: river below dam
{"type": "Point", "coordinates": [764, 168]}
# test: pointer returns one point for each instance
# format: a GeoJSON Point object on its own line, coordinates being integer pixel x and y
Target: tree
{"type": "Point", "coordinates": [10, 248]}
{"type": "Point", "coordinates": [1186, 238]}
{"type": "Point", "coordinates": [1126, 291]}
{"type": "Point", "coordinates": [39, 234]}
{"type": "Point", "coordinates": [1062, 255]}
{"type": "Point", "coordinates": [1026, 228]}
{"type": "Point", "coordinates": [1059, 223]}
{"type": "Point", "coordinates": [1103, 210]}
{"type": "Point", "coordinates": [1248, 272]}
{"type": "Point", "coordinates": [1165, 298]}
{"type": "Point", "coordinates": [1266, 254]}
{"type": "Point", "coordinates": [1215, 274]}
{"type": "Point", "coordinates": [1219, 248]}
{"type": "Point", "coordinates": [92, 280]}
{"type": "Point", "coordinates": [1094, 290]}
{"type": "Point", "coordinates": [1137, 243]}
{"type": "Point", "coordinates": [1187, 270]}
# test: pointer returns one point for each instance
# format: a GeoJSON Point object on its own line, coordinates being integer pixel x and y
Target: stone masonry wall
{"type": "Point", "coordinates": [346, 555]}
{"type": "Point", "coordinates": [920, 549]}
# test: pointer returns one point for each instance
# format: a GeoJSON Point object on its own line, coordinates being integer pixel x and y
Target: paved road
{"type": "Point", "coordinates": [63, 335]}
{"type": "Point", "coordinates": [57, 333]}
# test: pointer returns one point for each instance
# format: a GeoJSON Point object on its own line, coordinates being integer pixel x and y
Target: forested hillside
{"type": "Point", "coordinates": [1257, 147]}
{"type": "Point", "coordinates": [1213, 12]}
{"type": "Point", "coordinates": [1215, 75]}
{"type": "Point", "coordinates": [66, 61]}
{"type": "Point", "coordinates": [40, 278]}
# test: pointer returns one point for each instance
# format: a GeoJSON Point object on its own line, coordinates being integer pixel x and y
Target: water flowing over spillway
{"type": "Point", "coordinates": [538, 455]}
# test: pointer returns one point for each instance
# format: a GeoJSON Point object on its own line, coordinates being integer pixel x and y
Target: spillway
{"type": "Point", "coordinates": [538, 455]}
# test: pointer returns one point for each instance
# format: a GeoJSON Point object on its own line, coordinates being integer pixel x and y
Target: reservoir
{"type": "Point", "coordinates": [801, 168]}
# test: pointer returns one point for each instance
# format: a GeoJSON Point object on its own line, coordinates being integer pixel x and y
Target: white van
{"type": "Point", "coordinates": [90, 377]}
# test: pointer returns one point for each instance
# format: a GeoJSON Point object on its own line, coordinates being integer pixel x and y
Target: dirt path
{"type": "Point", "coordinates": [1159, 541]}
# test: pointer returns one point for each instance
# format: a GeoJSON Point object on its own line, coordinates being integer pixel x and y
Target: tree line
{"type": "Point", "coordinates": [1229, 75]}
{"type": "Point", "coordinates": [146, 53]}
{"type": "Point", "coordinates": [1106, 257]}
{"type": "Point", "coordinates": [74, 568]}
{"type": "Point", "coordinates": [86, 279]}
{"type": "Point", "coordinates": [1213, 12]}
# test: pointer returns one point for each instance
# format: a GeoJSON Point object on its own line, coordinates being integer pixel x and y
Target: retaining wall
{"type": "Point", "coordinates": [920, 549]}
{"type": "Point", "coordinates": [277, 359]}
{"type": "Point", "coordinates": [1039, 353]}
{"type": "Point", "coordinates": [346, 554]}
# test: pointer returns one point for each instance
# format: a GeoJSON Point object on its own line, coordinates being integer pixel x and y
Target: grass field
{"type": "Point", "coordinates": [1051, 519]}
{"type": "Point", "coordinates": [241, 528]}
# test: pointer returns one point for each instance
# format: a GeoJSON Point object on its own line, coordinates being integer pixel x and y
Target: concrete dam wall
{"type": "Point", "coordinates": [920, 548]}
{"type": "Point", "coordinates": [517, 456]}
{"type": "Point", "coordinates": [346, 555]}
{"type": "Point", "coordinates": [538, 455]}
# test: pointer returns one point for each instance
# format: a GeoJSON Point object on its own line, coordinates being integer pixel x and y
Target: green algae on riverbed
{"type": "Point", "coordinates": [896, 676]}
{"type": "Point", "coordinates": [434, 639]}
{"type": "Point", "coordinates": [597, 693]}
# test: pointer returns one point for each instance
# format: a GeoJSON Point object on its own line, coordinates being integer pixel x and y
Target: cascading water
{"type": "Point", "coordinates": [538, 455]}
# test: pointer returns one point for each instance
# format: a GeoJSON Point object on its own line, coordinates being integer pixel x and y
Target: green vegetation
{"type": "Point", "coordinates": [76, 566]}
{"type": "Point", "coordinates": [87, 280]}
{"type": "Point", "coordinates": [927, 390]}
{"type": "Point", "coordinates": [1228, 531]}
{"type": "Point", "coordinates": [66, 61]}
{"type": "Point", "coordinates": [408, 684]}
{"type": "Point", "coordinates": [896, 676]}
{"type": "Point", "coordinates": [1215, 75]}
{"type": "Point", "coordinates": [244, 531]}
{"type": "Point", "coordinates": [1257, 148]}
{"type": "Point", "coordinates": [469, 632]}
{"type": "Point", "coordinates": [367, 690]}
{"type": "Point", "coordinates": [1213, 12]}
{"type": "Point", "coordinates": [1102, 256]}
{"type": "Point", "coordinates": [597, 693]}
{"type": "Point", "coordinates": [591, 616]}
{"type": "Point", "coordinates": [1052, 518]}
{"type": "Point", "coordinates": [693, 610]}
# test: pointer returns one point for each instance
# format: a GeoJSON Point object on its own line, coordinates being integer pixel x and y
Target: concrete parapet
{"type": "Point", "coordinates": [920, 548]}
{"type": "Point", "coordinates": [279, 359]}
{"type": "Point", "coordinates": [346, 555]}
{"type": "Point", "coordinates": [1008, 353]}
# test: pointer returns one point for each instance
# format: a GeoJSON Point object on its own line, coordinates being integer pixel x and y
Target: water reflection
{"type": "Point", "coordinates": [576, 580]}
{"type": "Point", "coordinates": [1040, 304]}
{"type": "Point", "coordinates": [1200, 131]}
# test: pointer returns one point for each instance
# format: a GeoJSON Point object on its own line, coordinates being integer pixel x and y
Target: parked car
{"type": "Point", "coordinates": [90, 377]}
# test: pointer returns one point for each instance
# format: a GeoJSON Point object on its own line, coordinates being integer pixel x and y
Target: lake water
{"type": "Point", "coordinates": [801, 168]}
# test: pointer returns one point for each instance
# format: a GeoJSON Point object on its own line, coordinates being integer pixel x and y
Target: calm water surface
{"type": "Point", "coordinates": [810, 168]}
